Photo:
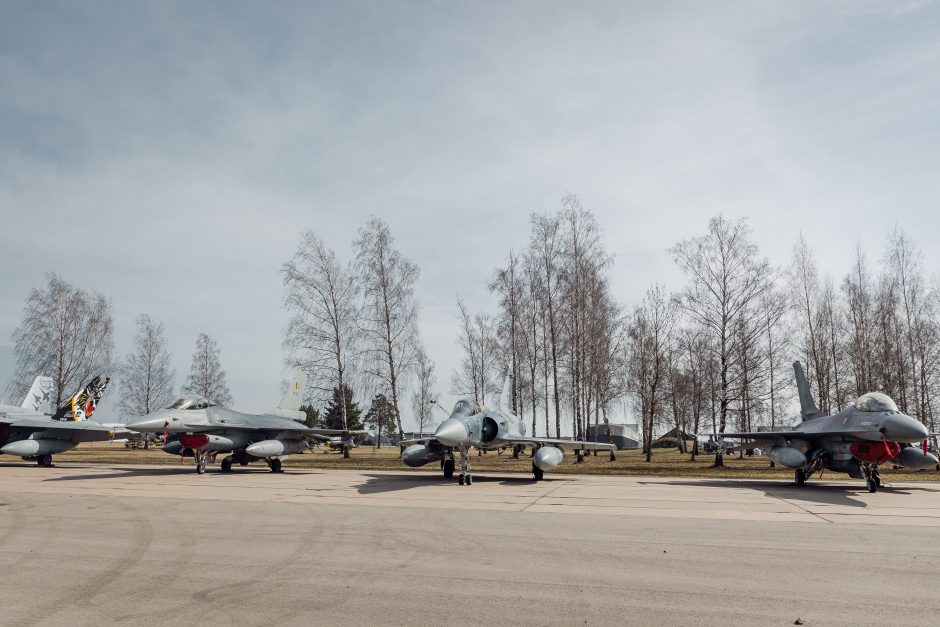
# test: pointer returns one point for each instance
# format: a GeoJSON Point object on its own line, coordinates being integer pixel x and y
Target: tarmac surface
{"type": "Point", "coordinates": [82, 544]}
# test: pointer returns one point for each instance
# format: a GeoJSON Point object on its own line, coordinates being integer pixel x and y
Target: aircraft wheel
{"type": "Point", "coordinates": [469, 479]}
{"type": "Point", "coordinates": [799, 477]}
{"type": "Point", "coordinates": [275, 465]}
{"type": "Point", "coordinates": [877, 480]}
{"type": "Point", "coordinates": [872, 484]}
{"type": "Point", "coordinates": [538, 472]}
{"type": "Point", "coordinates": [200, 468]}
{"type": "Point", "coordinates": [44, 460]}
{"type": "Point", "coordinates": [448, 469]}
{"type": "Point", "coordinates": [345, 452]}
{"type": "Point", "coordinates": [226, 464]}
{"type": "Point", "coordinates": [460, 480]}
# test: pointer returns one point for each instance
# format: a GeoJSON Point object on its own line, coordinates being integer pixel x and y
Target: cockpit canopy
{"type": "Point", "coordinates": [466, 407]}
{"type": "Point", "coordinates": [191, 402]}
{"type": "Point", "coordinates": [875, 401]}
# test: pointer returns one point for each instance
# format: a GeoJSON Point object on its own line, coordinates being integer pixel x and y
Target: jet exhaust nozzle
{"type": "Point", "coordinates": [419, 455]}
{"type": "Point", "coordinates": [452, 432]}
{"type": "Point", "coordinates": [548, 457]}
{"type": "Point", "coordinates": [787, 456]}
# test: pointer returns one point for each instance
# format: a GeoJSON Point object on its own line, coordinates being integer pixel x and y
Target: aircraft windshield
{"type": "Point", "coordinates": [875, 401]}
{"type": "Point", "coordinates": [466, 408]}
{"type": "Point", "coordinates": [190, 402]}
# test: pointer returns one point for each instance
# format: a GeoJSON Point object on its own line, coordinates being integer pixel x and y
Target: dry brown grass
{"type": "Point", "coordinates": [665, 463]}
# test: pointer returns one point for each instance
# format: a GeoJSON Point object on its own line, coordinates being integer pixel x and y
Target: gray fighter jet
{"type": "Point", "coordinates": [470, 425]}
{"type": "Point", "coordinates": [31, 433]}
{"type": "Point", "coordinates": [868, 432]}
{"type": "Point", "coordinates": [194, 426]}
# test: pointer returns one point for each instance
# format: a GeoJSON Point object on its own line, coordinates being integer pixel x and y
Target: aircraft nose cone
{"type": "Point", "coordinates": [147, 424]}
{"type": "Point", "coordinates": [904, 429]}
{"type": "Point", "coordinates": [452, 432]}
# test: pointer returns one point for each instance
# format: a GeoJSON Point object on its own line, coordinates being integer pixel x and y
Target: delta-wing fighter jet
{"type": "Point", "coordinates": [868, 432]}
{"type": "Point", "coordinates": [470, 425]}
{"type": "Point", "coordinates": [196, 426]}
{"type": "Point", "coordinates": [31, 433]}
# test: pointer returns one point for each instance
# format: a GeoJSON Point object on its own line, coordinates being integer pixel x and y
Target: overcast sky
{"type": "Point", "coordinates": [169, 154]}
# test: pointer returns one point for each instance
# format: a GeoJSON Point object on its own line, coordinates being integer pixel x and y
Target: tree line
{"type": "Point", "coordinates": [68, 333]}
{"type": "Point", "coordinates": [713, 354]}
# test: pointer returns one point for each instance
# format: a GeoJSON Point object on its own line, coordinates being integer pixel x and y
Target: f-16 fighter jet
{"type": "Point", "coordinates": [868, 432]}
{"type": "Point", "coordinates": [470, 425]}
{"type": "Point", "coordinates": [34, 435]}
{"type": "Point", "coordinates": [203, 429]}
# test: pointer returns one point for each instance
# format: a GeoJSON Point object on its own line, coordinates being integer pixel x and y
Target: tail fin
{"type": "Point", "coordinates": [808, 408]}
{"type": "Point", "coordinates": [505, 398]}
{"type": "Point", "coordinates": [39, 397]}
{"type": "Point", "coordinates": [294, 396]}
{"type": "Point", "coordinates": [82, 405]}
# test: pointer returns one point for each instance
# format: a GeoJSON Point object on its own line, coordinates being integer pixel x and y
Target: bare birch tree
{"type": "Point", "coordinates": [322, 337]}
{"type": "Point", "coordinates": [147, 375]}
{"type": "Point", "coordinates": [726, 276]}
{"type": "Point", "coordinates": [206, 376]}
{"type": "Point", "coordinates": [388, 317]}
{"type": "Point", "coordinates": [424, 397]}
{"type": "Point", "coordinates": [66, 333]}
{"type": "Point", "coordinates": [651, 328]}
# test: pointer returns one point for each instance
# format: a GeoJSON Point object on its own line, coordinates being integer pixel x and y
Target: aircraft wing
{"type": "Point", "coordinates": [575, 445]}
{"type": "Point", "coordinates": [81, 431]}
{"type": "Point", "coordinates": [764, 435]}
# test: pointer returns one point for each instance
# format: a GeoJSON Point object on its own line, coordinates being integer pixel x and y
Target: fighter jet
{"type": "Point", "coordinates": [470, 425]}
{"type": "Point", "coordinates": [868, 432]}
{"type": "Point", "coordinates": [34, 435]}
{"type": "Point", "coordinates": [198, 427]}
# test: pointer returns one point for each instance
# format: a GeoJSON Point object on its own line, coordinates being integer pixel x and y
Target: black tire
{"type": "Point", "coordinates": [44, 460]}
{"type": "Point", "coordinates": [226, 464]}
{"type": "Point", "coordinates": [275, 465]}
{"type": "Point", "coordinates": [538, 472]}
{"type": "Point", "coordinates": [460, 480]}
{"type": "Point", "coordinates": [872, 484]}
{"type": "Point", "coordinates": [448, 469]}
{"type": "Point", "coordinates": [469, 479]}
{"type": "Point", "coordinates": [799, 477]}
{"type": "Point", "coordinates": [877, 481]}
{"type": "Point", "coordinates": [200, 468]}
{"type": "Point", "coordinates": [345, 452]}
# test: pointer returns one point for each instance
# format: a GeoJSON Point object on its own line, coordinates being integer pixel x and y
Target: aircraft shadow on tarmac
{"type": "Point", "coordinates": [376, 484]}
{"type": "Point", "coordinates": [165, 471]}
{"type": "Point", "coordinates": [816, 493]}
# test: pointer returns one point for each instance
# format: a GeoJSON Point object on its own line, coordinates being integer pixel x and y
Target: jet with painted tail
{"type": "Point", "coordinates": [28, 431]}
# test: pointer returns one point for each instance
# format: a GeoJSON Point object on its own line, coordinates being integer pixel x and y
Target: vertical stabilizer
{"type": "Point", "coordinates": [808, 408]}
{"type": "Point", "coordinates": [82, 405]}
{"type": "Point", "coordinates": [39, 397]}
{"type": "Point", "coordinates": [294, 396]}
{"type": "Point", "coordinates": [505, 397]}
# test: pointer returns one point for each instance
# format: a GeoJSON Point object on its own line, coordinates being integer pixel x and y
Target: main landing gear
{"type": "Point", "coordinates": [465, 477]}
{"type": "Point", "coordinates": [447, 465]}
{"type": "Point", "coordinates": [226, 465]}
{"type": "Point", "coordinates": [274, 464]}
{"type": "Point", "coordinates": [872, 478]}
{"type": "Point", "coordinates": [538, 473]}
{"type": "Point", "coordinates": [799, 476]}
{"type": "Point", "coordinates": [44, 460]}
